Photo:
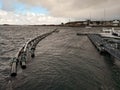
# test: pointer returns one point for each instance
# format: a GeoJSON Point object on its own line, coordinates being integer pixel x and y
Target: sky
{"type": "Point", "coordinates": [57, 11]}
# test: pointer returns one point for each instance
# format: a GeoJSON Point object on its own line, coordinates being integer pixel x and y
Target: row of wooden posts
{"type": "Point", "coordinates": [28, 50]}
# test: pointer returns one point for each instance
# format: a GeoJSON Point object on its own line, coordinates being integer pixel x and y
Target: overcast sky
{"type": "Point", "coordinates": [57, 11]}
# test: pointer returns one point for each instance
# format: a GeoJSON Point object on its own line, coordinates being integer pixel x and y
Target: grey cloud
{"type": "Point", "coordinates": [77, 8]}
{"type": "Point", "coordinates": [72, 8]}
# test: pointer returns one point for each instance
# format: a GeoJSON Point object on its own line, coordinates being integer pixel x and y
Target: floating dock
{"type": "Point", "coordinates": [97, 42]}
{"type": "Point", "coordinates": [104, 46]}
{"type": "Point", "coordinates": [103, 43]}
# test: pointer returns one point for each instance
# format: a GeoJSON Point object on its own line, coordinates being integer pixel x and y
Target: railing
{"type": "Point", "coordinates": [28, 50]}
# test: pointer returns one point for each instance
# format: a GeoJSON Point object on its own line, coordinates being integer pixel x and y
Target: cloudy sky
{"type": "Point", "coordinates": [57, 11]}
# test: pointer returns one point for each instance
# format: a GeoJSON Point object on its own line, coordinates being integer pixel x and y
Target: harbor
{"type": "Point", "coordinates": [59, 45]}
{"type": "Point", "coordinates": [63, 60]}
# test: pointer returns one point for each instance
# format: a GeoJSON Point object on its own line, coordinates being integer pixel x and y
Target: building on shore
{"type": "Point", "coordinates": [94, 23]}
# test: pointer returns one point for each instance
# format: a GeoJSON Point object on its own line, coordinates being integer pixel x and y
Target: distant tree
{"type": "Point", "coordinates": [62, 23]}
{"type": "Point", "coordinates": [98, 22]}
{"type": "Point", "coordinates": [88, 22]}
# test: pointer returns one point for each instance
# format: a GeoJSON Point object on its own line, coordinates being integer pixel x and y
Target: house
{"type": "Point", "coordinates": [116, 23]}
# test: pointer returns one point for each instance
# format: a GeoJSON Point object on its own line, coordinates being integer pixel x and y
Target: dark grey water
{"type": "Point", "coordinates": [63, 61]}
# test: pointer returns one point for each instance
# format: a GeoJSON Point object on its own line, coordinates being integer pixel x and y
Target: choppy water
{"type": "Point", "coordinates": [63, 61]}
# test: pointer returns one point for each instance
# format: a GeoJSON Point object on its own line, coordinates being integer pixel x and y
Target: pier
{"type": "Point", "coordinates": [103, 45]}
{"type": "Point", "coordinates": [97, 41]}
{"type": "Point", "coordinates": [112, 51]}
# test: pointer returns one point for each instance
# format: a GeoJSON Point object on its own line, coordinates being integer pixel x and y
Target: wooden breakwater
{"type": "Point", "coordinates": [28, 49]}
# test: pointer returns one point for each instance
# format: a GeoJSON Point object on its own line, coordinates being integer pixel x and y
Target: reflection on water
{"type": "Point", "coordinates": [114, 69]}
{"type": "Point", "coordinates": [63, 61]}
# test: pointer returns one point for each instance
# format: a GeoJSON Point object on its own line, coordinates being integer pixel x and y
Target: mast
{"type": "Point", "coordinates": [104, 16]}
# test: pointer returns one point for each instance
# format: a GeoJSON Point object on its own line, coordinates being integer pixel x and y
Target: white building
{"type": "Point", "coordinates": [116, 22]}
